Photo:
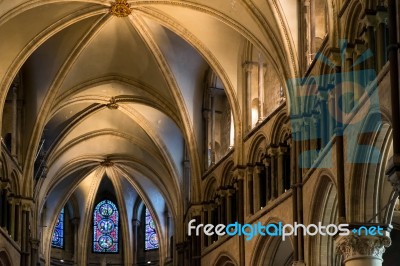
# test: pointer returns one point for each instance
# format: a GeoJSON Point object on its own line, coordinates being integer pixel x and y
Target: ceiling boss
{"type": "Point", "coordinates": [120, 8]}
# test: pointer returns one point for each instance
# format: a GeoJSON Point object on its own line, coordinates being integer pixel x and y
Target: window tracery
{"type": "Point", "coordinates": [105, 227]}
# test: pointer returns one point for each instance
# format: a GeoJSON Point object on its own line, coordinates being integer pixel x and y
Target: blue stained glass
{"type": "Point", "coordinates": [105, 227]}
{"type": "Point", "coordinates": [151, 238]}
{"type": "Point", "coordinates": [58, 233]}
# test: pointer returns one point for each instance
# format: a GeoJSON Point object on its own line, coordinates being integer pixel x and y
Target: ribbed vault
{"type": "Point", "coordinates": [122, 96]}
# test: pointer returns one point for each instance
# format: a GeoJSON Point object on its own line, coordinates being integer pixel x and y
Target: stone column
{"type": "Point", "coordinates": [362, 250]}
{"type": "Point", "coordinates": [229, 207]}
{"type": "Point", "coordinates": [4, 205]}
{"type": "Point", "coordinates": [256, 189]}
{"type": "Point", "coordinates": [14, 120]}
{"type": "Point", "coordinates": [75, 223]}
{"type": "Point", "coordinates": [186, 181]}
{"type": "Point", "coordinates": [348, 78]}
{"type": "Point", "coordinates": [34, 251]}
{"type": "Point", "coordinates": [306, 143]}
{"type": "Point", "coordinates": [339, 147]}
{"type": "Point", "coordinates": [309, 27]}
{"type": "Point", "coordinates": [381, 19]}
{"type": "Point", "coordinates": [359, 79]}
{"type": "Point", "coordinates": [207, 133]}
{"type": "Point", "coordinates": [250, 197]}
{"type": "Point", "coordinates": [314, 136]}
{"type": "Point", "coordinates": [248, 66]}
{"type": "Point", "coordinates": [272, 154]}
{"type": "Point", "coordinates": [393, 49]}
{"type": "Point", "coordinates": [300, 239]}
{"type": "Point", "coordinates": [25, 236]}
{"type": "Point", "coordinates": [9, 212]}
{"type": "Point", "coordinates": [324, 118]}
{"type": "Point", "coordinates": [370, 22]}
{"type": "Point", "coordinates": [180, 249]}
{"type": "Point", "coordinates": [219, 201]}
{"type": "Point", "coordinates": [239, 174]}
{"type": "Point", "coordinates": [195, 213]}
{"type": "Point", "coordinates": [212, 127]}
{"type": "Point", "coordinates": [293, 178]}
{"type": "Point", "coordinates": [225, 206]}
{"type": "Point", "coordinates": [11, 202]}
{"type": "Point", "coordinates": [297, 187]}
{"type": "Point", "coordinates": [331, 114]}
{"type": "Point", "coordinates": [267, 164]}
{"type": "Point", "coordinates": [280, 152]}
{"type": "Point", "coordinates": [168, 219]}
{"type": "Point", "coordinates": [1, 205]}
{"type": "Point", "coordinates": [213, 216]}
{"type": "Point", "coordinates": [18, 215]}
{"type": "Point", "coordinates": [204, 220]}
{"type": "Point", "coordinates": [261, 73]}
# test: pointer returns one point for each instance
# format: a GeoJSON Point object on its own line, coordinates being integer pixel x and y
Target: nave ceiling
{"type": "Point", "coordinates": [100, 88]}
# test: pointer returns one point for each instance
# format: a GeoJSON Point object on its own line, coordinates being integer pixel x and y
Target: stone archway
{"type": "Point", "coordinates": [225, 260]}
{"type": "Point", "coordinates": [4, 259]}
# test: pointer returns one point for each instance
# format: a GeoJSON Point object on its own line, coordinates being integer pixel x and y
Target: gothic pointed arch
{"type": "Point", "coordinates": [324, 210]}
{"type": "Point", "coordinates": [272, 250]}
{"type": "Point", "coordinates": [225, 259]}
{"type": "Point", "coordinates": [5, 258]}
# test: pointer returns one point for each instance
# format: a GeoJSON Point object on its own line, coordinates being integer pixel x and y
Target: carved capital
{"type": "Point", "coordinates": [27, 204]}
{"type": "Point", "coordinates": [354, 246]}
{"type": "Point", "coordinates": [272, 152]}
{"type": "Point", "coordinates": [230, 192]}
{"type": "Point", "coordinates": [136, 222]}
{"type": "Point", "coordinates": [282, 150]}
{"type": "Point", "coordinates": [238, 173]}
{"type": "Point", "coordinates": [249, 66]}
{"type": "Point", "coordinates": [350, 51]}
{"type": "Point", "coordinates": [382, 17]}
{"type": "Point", "coordinates": [370, 20]}
{"type": "Point", "coordinates": [258, 168]}
{"type": "Point", "coordinates": [393, 172]}
{"type": "Point", "coordinates": [359, 47]}
{"type": "Point", "coordinates": [249, 170]}
{"type": "Point", "coordinates": [296, 123]}
{"type": "Point", "coordinates": [5, 185]}
{"type": "Point", "coordinates": [112, 105]}
{"type": "Point", "coordinates": [35, 243]}
{"type": "Point", "coordinates": [195, 210]}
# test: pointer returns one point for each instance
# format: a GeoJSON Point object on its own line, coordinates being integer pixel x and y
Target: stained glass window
{"type": "Point", "coordinates": [105, 227]}
{"type": "Point", "coordinates": [58, 233]}
{"type": "Point", "coordinates": [151, 238]}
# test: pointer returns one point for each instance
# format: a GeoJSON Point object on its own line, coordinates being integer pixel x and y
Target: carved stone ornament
{"type": "Point", "coordinates": [107, 163]}
{"type": "Point", "coordinates": [393, 172]}
{"type": "Point", "coordinates": [355, 246]}
{"type": "Point", "coordinates": [113, 104]}
{"type": "Point", "coordinates": [120, 8]}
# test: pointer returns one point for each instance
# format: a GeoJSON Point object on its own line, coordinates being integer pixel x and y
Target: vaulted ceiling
{"type": "Point", "coordinates": [100, 88]}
